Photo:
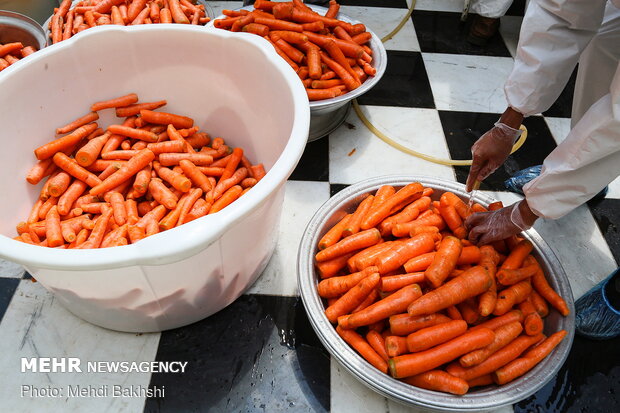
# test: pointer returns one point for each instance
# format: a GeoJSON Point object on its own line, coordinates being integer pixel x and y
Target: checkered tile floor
{"type": "Point", "coordinates": [438, 94]}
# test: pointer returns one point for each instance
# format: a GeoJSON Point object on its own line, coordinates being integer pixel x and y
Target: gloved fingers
{"type": "Point", "coordinates": [474, 171]}
{"type": "Point", "coordinates": [475, 234]}
{"type": "Point", "coordinates": [474, 220]}
{"type": "Point", "coordinates": [487, 170]}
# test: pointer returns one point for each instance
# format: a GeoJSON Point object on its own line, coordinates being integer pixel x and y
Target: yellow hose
{"type": "Point", "coordinates": [403, 148]}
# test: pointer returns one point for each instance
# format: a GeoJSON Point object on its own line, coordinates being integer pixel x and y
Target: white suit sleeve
{"type": "Point", "coordinates": [584, 163]}
{"type": "Point", "coordinates": [553, 35]}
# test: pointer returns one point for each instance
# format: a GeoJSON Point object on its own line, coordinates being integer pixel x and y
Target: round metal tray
{"type": "Point", "coordinates": [329, 114]}
{"type": "Point", "coordinates": [15, 27]}
{"type": "Point", "coordinates": [479, 399]}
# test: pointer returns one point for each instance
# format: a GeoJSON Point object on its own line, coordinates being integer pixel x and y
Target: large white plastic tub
{"type": "Point", "coordinates": [234, 86]}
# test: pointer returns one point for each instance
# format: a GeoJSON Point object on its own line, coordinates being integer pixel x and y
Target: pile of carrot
{"type": "Point", "coordinates": [153, 172]}
{"type": "Point", "coordinates": [330, 56]}
{"type": "Point", "coordinates": [13, 52]}
{"type": "Point", "coordinates": [67, 21]}
{"type": "Point", "coordinates": [413, 297]}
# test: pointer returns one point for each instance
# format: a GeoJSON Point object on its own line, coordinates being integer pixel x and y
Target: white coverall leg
{"type": "Point", "coordinates": [554, 36]}
{"type": "Point", "coordinates": [490, 8]}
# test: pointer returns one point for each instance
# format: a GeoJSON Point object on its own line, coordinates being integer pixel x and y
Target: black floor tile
{"type": "Point", "coordinates": [462, 129]}
{"type": "Point", "coordinates": [517, 8]}
{"type": "Point", "coordinates": [398, 4]}
{"type": "Point", "coordinates": [314, 163]}
{"type": "Point", "coordinates": [258, 354]}
{"type": "Point", "coordinates": [589, 381]}
{"type": "Point", "coordinates": [7, 289]}
{"type": "Point", "coordinates": [563, 105]}
{"type": "Point", "coordinates": [607, 214]}
{"type": "Point", "coordinates": [405, 83]}
{"type": "Point", "coordinates": [335, 188]}
{"type": "Point", "coordinates": [443, 32]}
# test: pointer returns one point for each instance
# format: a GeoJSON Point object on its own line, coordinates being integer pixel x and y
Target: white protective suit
{"type": "Point", "coordinates": [490, 8]}
{"type": "Point", "coordinates": [555, 35]}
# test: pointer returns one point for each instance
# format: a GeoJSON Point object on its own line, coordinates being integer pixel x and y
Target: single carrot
{"type": "Point", "coordinates": [404, 324]}
{"type": "Point", "coordinates": [336, 286]}
{"type": "Point", "coordinates": [163, 118]}
{"type": "Point", "coordinates": [542, 287]}
{"type": "Point", "coordinates": [517, 256]}
{"type": "Point", "coordinates": [352, 298]}
{"type": "Point", "coordinates": [416, 363]}
{"type": "Point", "coordinates": [439, 380]}
{"type": "Point", "coordinates": [105, 6]}
{"type": "Point", "coordinates": [480, 381]}
{"type": "Point", "coordinates": [331, 267]}
{"type": "Point", "coordinates": [127, 170]}
{"type": "Point", "coordinates": [496, 322]}
{"type": "Point", "coordinates": [226, 199]}
{"type": "Point", "coordinates": [88, 153]}
{"type": "Point", "coordinates": [469, 284]}
{"type": "Point", "coordinates": [431, 336]}
{"type": "Point", "coordinates": [72, 168]}
{"type": "Point", "coordinates": [142, 17]}
{"type": "Point", "coordinates": [142, 180]}
{"type": "Point", "coordinates": [503, 336]}
{"type": "Point", "coordinates": [336, 53]}
{"type": "Point", "coordinates": [58, 184]}
{"type": "Point", "coordinates": [489, 259]}
{"type": "Point", "coordinates": [510, 277]}
{"type": "Point", "coordinates": [198, 159]}
{"type": "Point", "coordinates": [402, 252]}
{"type": "Point", "coordinates": [134, 133]}
{"type": "Point", "coordinates": [175, 179]}
{"type": "Point", "coordinates": [48, 150]}
{"type": "Point", "coordinates": [353, 224]}
{"type": "Point", "coordinates": [350, 244]}
{"type": "Point", "coordinates": [377, 342]}
{"type": "Point", "coordinates": [368, 256]}
{"type": "Point", "coordinates": [193, 196]}
{"type": "Point", "coordinates": [453, 220]}
{"type": "Point", "coordinates": [393, 304]}
{"type": "Point", "coordinates": [70, 195]}
{"type": "Point", "coordinates": [115, 103]}
{"type": "Point", "coordinates": [539, 303]}
{"type": "Point", "coordinates": [409, 192]}
{"type": "Point", "coordinates": [532, 323]}
{"type": "Point", "coordinates": [396, 282]}
{"type": "Point", "coordinates": [419, 263]}
{"type": "Point", "coordinates": [522, 365]}
{"type": "Point", "coordinates": [396, 345]}
{"type": "Point", "coordinates": [469, 311]}
{"type": "Point", "coordinates": [444, 261]}
{"type": "Point", "coordinates": [511, 296]}
{"type": "Point", "coordinates": [90, 117]}
{"type": "Point", "coordinates": [98, 232]}
{"type": "Point", "coordinates": [424, 220]}
{"type": "Point", "coordinates": [363, 348]}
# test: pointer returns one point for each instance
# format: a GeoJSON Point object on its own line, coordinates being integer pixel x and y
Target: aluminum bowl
{"type": "Point", "coordinates": [479, 399]}
{"type": "Point", "coordinates": [15, 27]}
{"type": "Point", "coordinates": [329, 114]}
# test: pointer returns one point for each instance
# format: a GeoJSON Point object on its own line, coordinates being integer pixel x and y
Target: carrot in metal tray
{"type": "Point", "coordinates": [392, 304]}
{"type": "Point", "coordinates": [363, 348]}
{"type": "Point", "coordinates": [404, 324]}
{"type": "Point", "coordinates": [512, 295]}
{"type": "Point", "coordinates": [444, 261]}
{"type": "Point", "coordinates": [520, 366]}
{"type": "Point", "coordinates": [503, 336]}
{"type": "Point", "coordinates": [368, 256]}
{"type": "Point", "coordinates": [539, 303]}
{"type": "Point", "coordinates": [396, 282]}
{"type": "Point", "coordinates": [349, 81]}
{"type": "Point", "coordinates": [336, 286]}
{"type": "Point", "coordinates": [115, 103]}
{"type": "Point", "coordinates": [489, 259]}
{"type": "Point", "coordinates": [350, 244]}
{"type": "Point", "coordinates": [517, 256]}
{"type": "Point", "coordinates": [401, 252]}
{"type": "Point", "coordinates": [469, 284]}
{"type": "Point", "coordinates": [409, 193]}
{"type": "Point", "coordinates": [532, 323]}
{"type": "Point", "coordinates": [439, 380]}
{"type": "Point", "coordinates": [542, 287]}
{"type": "Point", "coordinates": [48, 150]}
{"type": "Point", "coordinates": [510, 277]}
{"type": "Point", "coordinates": [432, 336]}
{"type": "Point", "coordinates": [377, 342]}
{"type": "Point", "coordinates": [71, 167]}
{"type": "Point", "coordinates": [334, 234]}
{"type": "Point", "coordinates": [128, 170]}
{"type": "Point", "coordinates": [352, 298]}
{"type": "Point", "coordinates": [353, 225]}
{"type": "Point", "coordinates": [331, 267]}
{"type": "Point", "coordinates": [320, 94]}
{"type": "Point", "coordinates": [396, 345]}
{"type": "Point", "coordinates": [416, 363]}
{"type": "Point", "coordinates": [335, 53]}
{"type": "Point", "coordinates": [333, 9]}
{"type": "Point", "coordinates": [424, 220]}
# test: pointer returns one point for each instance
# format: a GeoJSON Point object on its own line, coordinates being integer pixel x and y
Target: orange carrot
{"type": "Point", "coordinates": [496, 322]}
{"type": "Point", "coordinates": [416, 363]}
{"type": "Point", "coordinates": [419, 263]}
{"type": "Point", "coordinates": [393, 304]}
{"type": "Point", "coordinates": [58, 184]}
{"type": "Point", "coordinates": [424, 220]}
{"type": "Point", "coordinates": [396, 282]}
{"type": "Point", "coordinates": [352, 298]}
{"type": "Point", "coordinates": [377, 214]}
{"type": "Point", "coordinates": [368, 256]}
{"type": "Point", "coordinates": [532, 323]}
{"type": "Point", "coordinates": [503, 336]}
{"type": "Point", "coordinates": [96, 235]}
{"type": "Point", "coordinates": [129, 169]}
{"type": "Point", "coordinates": [331, 267]}
{"type": "Point", "coordinates": [431, 336]}
{"type": "Point", "coordinates": [539, 303]}
{"type": "Point", "coordinates": [489, 259]}
{"type": "Point", "coordinates": [469, 284]}
{"type": "Point", "coordinates": [131, 110]}
{"type": "Point", "coordinates": [517, 256]}
{"type": "Point", "coordinates": [163, 118]}
{"type": "Point", "coordinates": [162, 194]}
{"type": "Point", "coordinates": [175, 179]}
{"type": "Point", "coordinates": [91, 117]}
{"type": "Point", "coordinates": [510, 277]}
{"type": "Point", "coordinates": [169, 159]}
{"type": "Point", "coordinates": [402, 252]}
{"type": "Point", "coordinates": [363, 348]}
{"type": "Point", "coordinates": [524, 364]}
{"type": "Point", "coordinates": [336, 286]}
{"type": "Point", "coordinates": [377, 342]}
{"type": "Point", "coordinates": [449, 198]}
{"type": "Point", "coordinates": [69, 196]}
{"type": "Point", "coordinates": [469, 311]}
{"type": "Point", "coordinates": [353, 224]}
{"type": "Point", "coordinates": [512, 295]}
{"type": "Point", "coordinates": [72, 168]}
{"type": "Point", "coordinates": [396, 345]}
{"type": "Point", "coordinates": [350, 244]}
{"type": "Point", "coordinates": [483, 380]}
{"type": "Point", "coordinates": [543, 288]}
{"type": "Point", "coordinates": [115, 103]}
{"type": "Point", "coordinates": [444, 261]}
{"type": "Point", "coordinates": [439, 380]}
{"type": "Point", "coordinates": [226, 199]}
{"type": "Point", "coordinates": [48, 150]}
{"type": "Point", "coordinates": [453, 220]}
{"type": "Point", "coordinates": [404, 324]}
{"type": "Point", "coordinates": [53, 231]}
{"type": "Point", "coordinates": [134, 133]}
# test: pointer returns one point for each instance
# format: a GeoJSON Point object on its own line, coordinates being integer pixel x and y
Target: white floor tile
{"type": "Point", "coordinates": [468, 83]}
{"type": "Point", "coordinates": [356, 154]}
{"type": "Point", "coordinates": [218, 6]}
{"type": "Point", "coordinates": [9, 269]}
{"type": "Point", "coordinates": [439, 5]}
{"type": "Point", "coordinates": [509, 29]}
{"type": "Point", "coordinates": [35, 325]}
{"type": "Point", "coordinates": [301, 201]}
{"type": "Point", "coordinates": [381, 21]}
{"type": "Point", "coordinates": [614, 189]}
{"type": "Point", "coordinates": [349, 395]}
{"type": "Point", "coordinates": [559, 127]}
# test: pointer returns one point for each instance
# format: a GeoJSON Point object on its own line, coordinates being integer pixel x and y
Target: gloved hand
{"type": "Point", "coordinates": [486, 227]}
{"type": "Point", "coordinates": [490, 151]}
